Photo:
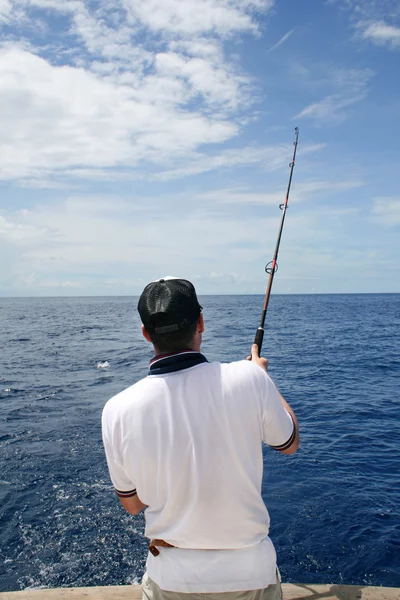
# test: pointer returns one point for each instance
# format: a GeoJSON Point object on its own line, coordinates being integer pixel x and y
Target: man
{"type": "Point", "coordinates": [185, 443]}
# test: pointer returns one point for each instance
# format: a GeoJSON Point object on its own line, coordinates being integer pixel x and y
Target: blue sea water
{"type": "Point", "coordinates": [334, 505]}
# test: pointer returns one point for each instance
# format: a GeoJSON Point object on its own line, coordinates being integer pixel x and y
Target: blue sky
{"type": "Point", "coordinates": [141, 138]}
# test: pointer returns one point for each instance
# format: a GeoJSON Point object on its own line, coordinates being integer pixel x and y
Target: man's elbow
{"type": "Point", "coordinates": [133, 511]}
{"type": "Point", "coordinates": [292, 448]}
{"type": "Point", "coordinates": [132, 505]}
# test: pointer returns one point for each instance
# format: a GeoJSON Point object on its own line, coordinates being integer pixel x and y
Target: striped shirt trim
{"type": "Point", "coordinates": [290, 441]}
{"type": "Point", "coordinates": [129, 494]}
{"type": "Point", "coordinates": [162, 356]}
{"type": "Point", "coordinates": [177, 361]}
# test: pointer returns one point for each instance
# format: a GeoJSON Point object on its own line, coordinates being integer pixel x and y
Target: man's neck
{"type": "Point", "coordinates": [159, 352]}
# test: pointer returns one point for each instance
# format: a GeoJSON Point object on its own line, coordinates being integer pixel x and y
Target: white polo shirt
{"type": "Point", "coordinates": [187, 439]}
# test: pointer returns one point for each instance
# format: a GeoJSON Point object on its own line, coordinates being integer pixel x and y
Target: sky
{"type": "Point", "coordinates": [144, 138]}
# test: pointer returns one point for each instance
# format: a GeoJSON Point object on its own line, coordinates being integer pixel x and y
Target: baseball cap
{"type": "Point", "coordinates": [168, 304]}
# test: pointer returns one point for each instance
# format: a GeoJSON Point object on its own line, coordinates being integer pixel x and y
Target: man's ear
{"type": "Point", "coordinates": [200, 324]}
{"type": "Point", "coordinates": [145, 334]}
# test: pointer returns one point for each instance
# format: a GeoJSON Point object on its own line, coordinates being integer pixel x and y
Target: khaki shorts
{"type": "Point", "coordinates": [151, 591]}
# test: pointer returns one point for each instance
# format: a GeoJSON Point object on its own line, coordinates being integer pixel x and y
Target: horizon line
{"type": "Point", "coordinates": [212, 294]}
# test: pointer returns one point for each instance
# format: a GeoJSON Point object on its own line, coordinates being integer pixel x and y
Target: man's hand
{"type": "Point", "coordinates": [258, 360]}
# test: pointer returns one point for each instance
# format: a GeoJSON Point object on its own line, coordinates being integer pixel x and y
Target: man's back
{"type": "Point", "coordinates": [189, 442]}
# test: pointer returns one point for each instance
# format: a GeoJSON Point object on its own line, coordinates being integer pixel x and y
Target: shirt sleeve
{"type": "Point", "coordinates": [278, 428]}
{"type": "Point", "coordinates": [123, 485]}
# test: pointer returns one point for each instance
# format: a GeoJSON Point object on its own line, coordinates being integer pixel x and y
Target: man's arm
{"type": "Point", "coordinates": [133, 505]}
{"type": "Point", "coordinates": [124, 487]}
{"type": "Point", "coordinates": [263, 363]}
{"type": "Point", "coordinates": [296, 440]}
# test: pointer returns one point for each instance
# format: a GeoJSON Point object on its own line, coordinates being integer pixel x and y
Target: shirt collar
{"type": "Point", "coordinates": [176, 361]}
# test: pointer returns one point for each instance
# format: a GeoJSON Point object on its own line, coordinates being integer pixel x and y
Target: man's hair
{"type": "Point", "coordinates": [175, 340]}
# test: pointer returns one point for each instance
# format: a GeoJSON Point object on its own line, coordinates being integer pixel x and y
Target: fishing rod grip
{"type": "Point", "coordinates": [258, 339]}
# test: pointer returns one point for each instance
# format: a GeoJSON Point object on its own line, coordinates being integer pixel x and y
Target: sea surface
{"type": "Point", "coordinates": [334, 505]}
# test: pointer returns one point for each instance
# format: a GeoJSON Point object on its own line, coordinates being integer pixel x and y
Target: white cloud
{"type": "Point", "coordinates": [326, 188]}
{"type": "Point", "coordinates": [370, 9]}
{"type": "Point", "coordinates": [204, 78]}
{"type": "Point", "coordinates": [60, 117]}
{"type": "Point", "coordinates": [301, 192]}
{"type": "Point", "coordinates": [269, 158]}
{"type": "Point", "coordinates": [194, 17]}
{"type": "Point", "coordinates": [98, 236]}
{"type": "Point", "coordinates": [282, 40]}
{"type": "Point", "coordinates": [121, 100]}
{"type": "Point", "coordinates": [241, 196]}
{"type": "Point", "coordinates": [106, 244]}
{"type": "Point", "coordinates": [329, 108]}
{"type": "Point", "coordinates": [386, 211]}
{"type": "Point", "coordinates": [204, 47]}
{"type": "Point", "coordinates": [351, 86]}
{"type": "Point", "coordinates": [382, 34]}
{"type": "Point", "coordinates": [5, 10]}
{"type": "Point", "coordinates": [18, 232]}
{"type": "Point", "coordinates": [377, 21]}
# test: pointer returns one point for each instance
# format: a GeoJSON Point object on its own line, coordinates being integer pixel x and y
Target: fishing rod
{"type": "Point", "coordinates": [272, 267]}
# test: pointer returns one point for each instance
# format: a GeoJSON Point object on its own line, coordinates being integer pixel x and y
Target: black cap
{"type": "Point", "coordinates": [168, 305]}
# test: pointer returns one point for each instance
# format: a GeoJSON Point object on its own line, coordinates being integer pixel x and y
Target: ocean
{"type": "Point", "coordinates": [334, 505]}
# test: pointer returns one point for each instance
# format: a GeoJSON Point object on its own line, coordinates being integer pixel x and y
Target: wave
{"type": "Point", "coordinates": [103, 365]}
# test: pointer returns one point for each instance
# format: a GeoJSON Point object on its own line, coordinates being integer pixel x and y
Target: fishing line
{"type": "Point", "coordinates": [272, 267]}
